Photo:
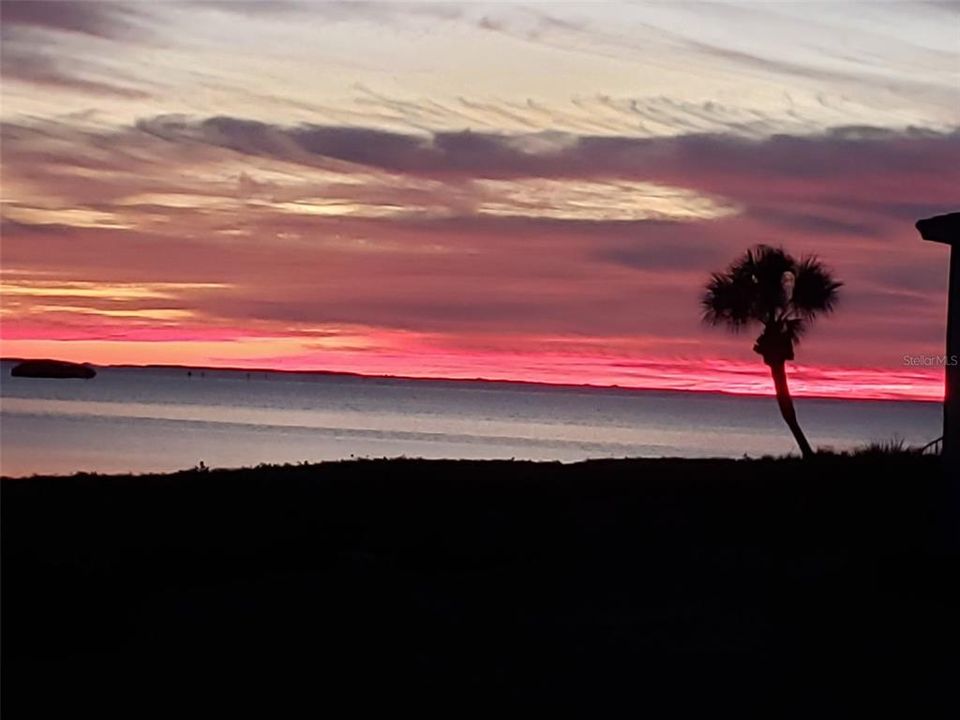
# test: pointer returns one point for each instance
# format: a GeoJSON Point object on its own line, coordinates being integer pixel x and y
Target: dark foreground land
{"type": "Point", "coordinates": [614, 588]}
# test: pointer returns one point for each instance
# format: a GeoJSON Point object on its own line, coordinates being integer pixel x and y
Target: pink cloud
{"type": "Point", "coordinates": [486, 290]}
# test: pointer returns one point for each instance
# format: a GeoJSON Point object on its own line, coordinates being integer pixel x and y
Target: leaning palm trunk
{"type": "Point", "coordinates": [786, 407]}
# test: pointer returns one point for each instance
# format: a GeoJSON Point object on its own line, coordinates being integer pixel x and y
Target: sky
{"type": "Point", "coordinates": [532, 191]}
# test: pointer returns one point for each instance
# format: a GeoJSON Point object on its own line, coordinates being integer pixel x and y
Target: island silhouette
{"type": "Point", "coordinates": [55, 369]}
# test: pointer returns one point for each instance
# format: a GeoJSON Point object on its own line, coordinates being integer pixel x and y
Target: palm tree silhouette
{"type": "Point", "coordinates": [766, 286]}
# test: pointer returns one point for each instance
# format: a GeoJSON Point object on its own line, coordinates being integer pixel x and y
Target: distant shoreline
{"type": "Point", "coordinates": [477, 380]}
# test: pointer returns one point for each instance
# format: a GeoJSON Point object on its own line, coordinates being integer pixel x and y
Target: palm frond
{"type": "Point", "coordinates": [814, 289]}
{"type": "Point", "coordinates": [728, 300]}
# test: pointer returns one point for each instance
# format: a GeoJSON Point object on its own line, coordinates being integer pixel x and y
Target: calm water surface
{"type": "Point", "coordinates": [158, 420]}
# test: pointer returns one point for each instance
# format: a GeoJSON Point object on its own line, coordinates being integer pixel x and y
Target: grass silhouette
{"type": "Point", "coordinates": [666, 586]}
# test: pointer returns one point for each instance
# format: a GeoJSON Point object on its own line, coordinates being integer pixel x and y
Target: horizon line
{"type": "Point", "coordinates": [439, 378]}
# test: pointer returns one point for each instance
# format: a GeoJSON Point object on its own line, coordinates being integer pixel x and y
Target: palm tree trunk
{"type": "Point", "coordinates": [786, 408]}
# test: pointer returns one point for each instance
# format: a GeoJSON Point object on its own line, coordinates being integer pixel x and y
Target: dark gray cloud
{"type": "Point", "coordinates": [842, 152]}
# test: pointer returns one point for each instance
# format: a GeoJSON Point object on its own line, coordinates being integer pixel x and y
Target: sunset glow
{"type": "Point", "coordinates": [531, 192]}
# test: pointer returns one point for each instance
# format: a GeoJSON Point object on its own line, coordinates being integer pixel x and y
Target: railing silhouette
{"type": "Point", "coordinates": [934, 447]}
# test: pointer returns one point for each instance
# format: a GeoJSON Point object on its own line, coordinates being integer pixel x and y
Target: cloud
{"type": "Point", "coordinates": [819, 223]}
{"type": "Point", "coordinates": [914, 275]}
{"type": "Point", "coordinates": [107, 20]}
{"type": "Point", "coordinates": [47, 43]}
{"type": "Point", "coordinates": [275, 171]}
{"type": "Point", "coordinates": [855, 185]}
{"type": "Point", "coordinates": [46, 72]}
{"type": "Point", "coordinates": [374, 11]}
{"type": "Point", "coordinates": [855, 161]}
{"type": "Point", "coordinates": [950, 6]}
{"type": "Point", "coordinates": [251, 7]}
{"type": "Point", "coordinates": [826, 77]}
{"type": "Point", "coordinates": [517, 234]}
{"type": "Point", "coordinates": [659, 245]}
{"type": "Point", "coordinates": [588, 113]}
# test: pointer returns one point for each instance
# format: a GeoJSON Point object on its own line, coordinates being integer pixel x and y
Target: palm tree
{"type": "Point", "coordinates": [768, 287]}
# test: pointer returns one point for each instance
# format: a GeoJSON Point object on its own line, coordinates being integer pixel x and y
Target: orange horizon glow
{"type": "Point", "coordinates": [709, 375]}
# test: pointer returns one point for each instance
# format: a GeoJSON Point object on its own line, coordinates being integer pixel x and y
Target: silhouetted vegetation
{"type": "Point", "coordinates": [604, 588]}
{"type": "Point", "coordinates": [897, 446]}
{"type": "Point", "coordinates": [770, 288]}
